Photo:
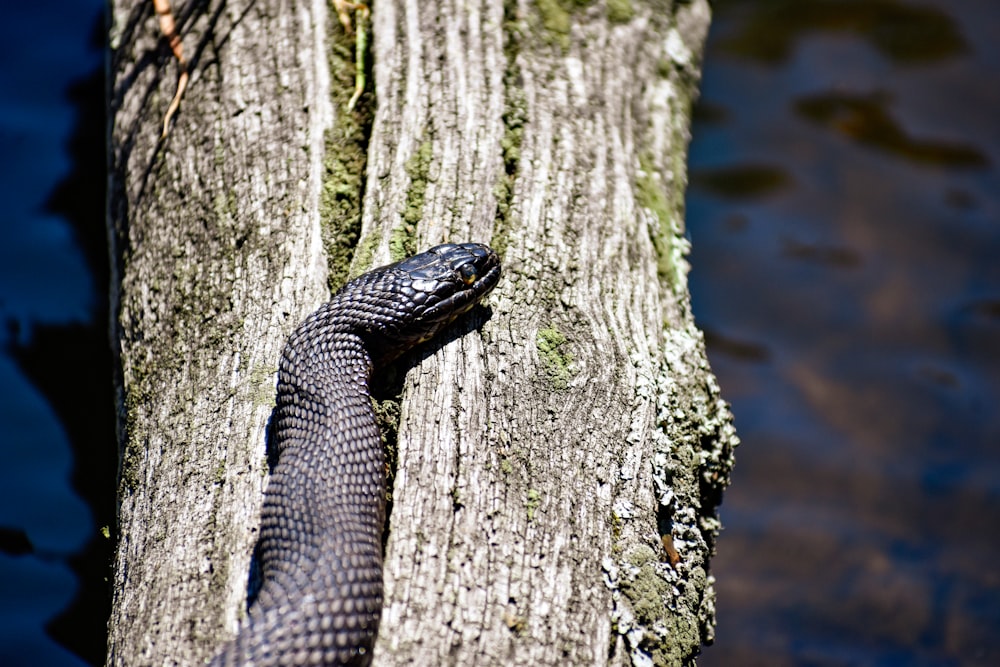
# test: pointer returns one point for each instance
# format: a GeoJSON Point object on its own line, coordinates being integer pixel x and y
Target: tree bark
{"type": "Point", "coordinates": [559, 466]}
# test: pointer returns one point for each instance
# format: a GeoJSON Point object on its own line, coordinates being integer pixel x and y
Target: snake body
{"type": "Point", "coordinates": [320, 545]}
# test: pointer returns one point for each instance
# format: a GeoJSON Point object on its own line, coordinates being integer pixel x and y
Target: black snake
{"type": "Point", "coordinates": [320, 546]}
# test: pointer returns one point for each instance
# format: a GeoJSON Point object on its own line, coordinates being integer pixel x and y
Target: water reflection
{"type": "Point", "coordinates": [57, 484]}
{"type": "Point", "coordinates": [741, 181]}
{"type": "Point", "coordinates": [843, 213]}
{"type": "Point", "coordinates": [906, 34]}
{"type": "Point", "coordinates": [866, 119]}
{"type": "Point", "coordinates": [72, 365]}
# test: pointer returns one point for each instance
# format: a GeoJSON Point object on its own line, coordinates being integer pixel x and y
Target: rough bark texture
{"type": "Point", "coordinates": [216, 234]}
{"type": "Point", "coordinates": [549, 460]}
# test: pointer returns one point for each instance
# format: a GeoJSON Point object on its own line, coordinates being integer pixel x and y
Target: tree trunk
{"type": "Point", "coordinates": [558, 466]}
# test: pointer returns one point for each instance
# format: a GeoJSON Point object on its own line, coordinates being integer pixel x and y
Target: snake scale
{"type": "Point", "coordinates": [320, 545]}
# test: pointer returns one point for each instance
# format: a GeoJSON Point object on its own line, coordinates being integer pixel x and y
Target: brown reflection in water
{"type": "Point", "coordinates": [985, 308]}
{"type": "Point", "coordinates": [741, 181]}
{"type": "Point", "coordinates": [738, 349]}
{"type": "Point", "coordinates": [850, 294]}
{"type": "Point", "coordinates": [706, 112]}
{"type": "Point", "coordinates": [904, 33]}
{"type": "Point", "coordinates": [825, 565]}
{"type": "Point", "coordinates": [865, 119]}
{"type": "Point", "coordinates": [867, 414]}
{"type": "Point", "coordinates": [844, 258]}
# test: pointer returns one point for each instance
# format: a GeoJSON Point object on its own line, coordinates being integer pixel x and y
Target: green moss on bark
{"type": "Point", "coordinates": [403, 238]}
{"type": "Point", "coordinates": [344, 158]}
{"type": "Point", "coordinates": [553, 349]}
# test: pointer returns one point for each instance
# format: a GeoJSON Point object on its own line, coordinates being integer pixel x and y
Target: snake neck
{"type": "Point", "coordinates": [320, 546]}
{"type": "Point", "coordinates": [327, 440]}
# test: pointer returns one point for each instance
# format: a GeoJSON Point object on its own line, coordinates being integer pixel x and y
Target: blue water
{"type": "Point", "coordinates": [845, 214]}
{"type": "Point", "coordinates": [845, 218]}
{"type": "Point", "coordinates": [50, 304]}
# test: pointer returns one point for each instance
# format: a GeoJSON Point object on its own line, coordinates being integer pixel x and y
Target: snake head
{"type": "Point", "coordinates": [421, 295]}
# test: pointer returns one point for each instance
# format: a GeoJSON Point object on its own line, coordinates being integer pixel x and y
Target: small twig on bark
{"type": "Point", "coordinates": [344, 9]}
{"type": "Point", "coordinates": [169, 29]}
{"type": "Point", "coordinates": [360, 47]}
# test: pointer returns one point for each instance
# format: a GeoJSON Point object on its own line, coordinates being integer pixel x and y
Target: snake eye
{"type": "Point", "coordinates": [468, 273]}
